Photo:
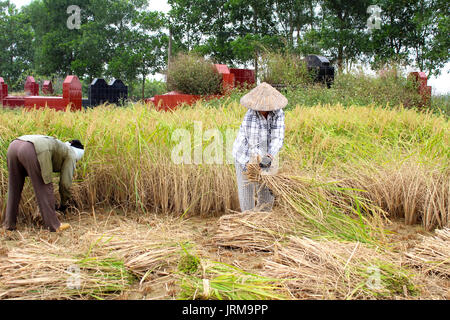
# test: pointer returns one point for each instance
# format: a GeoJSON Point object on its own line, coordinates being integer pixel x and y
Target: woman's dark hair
{"type": "Point", "coordinates": [76, 144]}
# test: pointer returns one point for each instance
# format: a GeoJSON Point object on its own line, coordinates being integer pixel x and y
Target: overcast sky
{"type": "Point", "coordinates": [440, 85]}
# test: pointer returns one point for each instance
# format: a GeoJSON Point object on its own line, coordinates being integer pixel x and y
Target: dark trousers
{"type": "Point", "coordinates": [23, 162]}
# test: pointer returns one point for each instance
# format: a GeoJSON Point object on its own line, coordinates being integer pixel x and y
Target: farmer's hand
{"type": "Point", "coordinates": [266, 162]}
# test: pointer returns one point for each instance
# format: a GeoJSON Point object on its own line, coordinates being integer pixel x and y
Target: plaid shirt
{"type": "Point", "coordinates": [259, 136]}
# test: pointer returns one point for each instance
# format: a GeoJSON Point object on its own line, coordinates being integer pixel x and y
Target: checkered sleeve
{"type": "Point", "coordinates": [247, 143]}
{"type": "Point", "coordinates": [277, 133]}
{"type": "Point", "coordinates": [253, 134]}
{"type": "Point", "coordinates": [240, 147]}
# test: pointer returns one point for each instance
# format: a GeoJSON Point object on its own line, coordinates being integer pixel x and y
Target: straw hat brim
{"type": "Point", "coordinates": [264, 98]}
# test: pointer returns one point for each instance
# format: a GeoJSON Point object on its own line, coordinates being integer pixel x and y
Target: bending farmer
{"type": "Point", "coordinates": [38, 157]}
{"type": "Point", "coordinates": [261, 135]}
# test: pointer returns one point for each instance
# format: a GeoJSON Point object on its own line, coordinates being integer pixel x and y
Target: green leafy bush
{"type": "Point", "coordinates": [192, 74]}
{"type": "Point", "coordinates": [285, 69]}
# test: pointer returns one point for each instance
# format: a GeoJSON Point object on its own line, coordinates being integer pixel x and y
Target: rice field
{"type": "Point", "coordinates": [361, 193]}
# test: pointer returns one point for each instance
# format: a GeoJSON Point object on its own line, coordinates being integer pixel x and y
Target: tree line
{"type": "Point", "coordinates": [124, 39]}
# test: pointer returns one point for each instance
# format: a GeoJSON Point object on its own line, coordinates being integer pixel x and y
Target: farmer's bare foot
{"type": "Point", "coordinates": [63, 226]}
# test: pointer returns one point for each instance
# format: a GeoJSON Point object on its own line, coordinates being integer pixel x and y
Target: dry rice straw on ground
{"type": "Point", "coordinates": [328, 269]}
{"type": "Point", "coordinates": [254, 230]}
{"type": "Point", "coordinates": [432, 255]}
{"type": "Point", "coordinates": [44, 271]}
{"type": "Point", "coordinates": [40, 270]}
{"type": "Point", "coordinates": [142, 257]}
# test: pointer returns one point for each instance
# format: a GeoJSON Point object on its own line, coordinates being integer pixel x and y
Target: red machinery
{"type": "Point", "coordinates": [230, 79]}
{"type": "Point", "coordinates": [243, 77]}
{"type": "Point", "coordinates": [31, 87]}
{"type": "Point", "coordinates": [72, 96]}
{"type": "Point", "coordinates": [47, 87]}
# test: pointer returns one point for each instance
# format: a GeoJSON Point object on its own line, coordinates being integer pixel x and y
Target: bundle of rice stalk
{"type": "Point", "coordinates": [332, 212]}
{"type": "Point", "coordinates": [219, 281]}
{"type": "Point", "coordinates": [251, 231]}
{"type": "Point", "coordinates": [337, 270]}
{"type": "Point", "coordinates": [432, 255]}
{"type": "Point", "coordinates": [142, 257]}
{"type": "Point", "coordinates": [45, 271]}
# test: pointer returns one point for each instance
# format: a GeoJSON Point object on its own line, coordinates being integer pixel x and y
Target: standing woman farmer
{"type": "Point", "coordinates": [38, 157]}
{"type": "Point", "coordinates": [260, 136]}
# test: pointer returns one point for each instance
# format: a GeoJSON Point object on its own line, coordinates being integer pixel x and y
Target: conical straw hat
{"type": "Point", "coordinates": [264, 98]}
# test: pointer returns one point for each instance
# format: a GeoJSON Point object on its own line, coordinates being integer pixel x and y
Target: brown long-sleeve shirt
{"type": "Point", "coordinates": [54, 156]}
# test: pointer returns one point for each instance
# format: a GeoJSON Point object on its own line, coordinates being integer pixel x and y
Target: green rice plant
{"type": "Point", "coordinates": [107, 276]}
{"type": "Point", "coordinates": [188, 263]}
{"type": "Point", "coordinates": [394, 280]}
{"type": "Point", "coordinates": [220, 281]}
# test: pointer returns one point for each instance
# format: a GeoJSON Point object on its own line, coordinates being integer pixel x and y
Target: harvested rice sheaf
{"type": "Point", "coordinates": [219, 281]}
{"type": "Point", "coordinates": [330, 211]}
{"type": "Point", "coordinates": [252, 231]}
{"type": "Point", "coordinates": [142, 256]}
{"type": "Point", "coordinates": [145, 251]}
{"type": "Point", "coordinates": [46, 271]}
{"type": "Point", "coordinates": [109, 267]}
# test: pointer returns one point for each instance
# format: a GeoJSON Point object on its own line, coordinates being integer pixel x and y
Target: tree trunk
{"type": "Point", "coordinates": [170, 48]}
{"type": "Point", "coordinates": [256, 66]}
{"type": "Point", "coordinates": [340, 57]}
{"type": "Point", "coordinates": [255, 28]}
{"type": "Point", "coordinates": [143, 86]}
{"type": "Point", "coordinates": [291, 31]}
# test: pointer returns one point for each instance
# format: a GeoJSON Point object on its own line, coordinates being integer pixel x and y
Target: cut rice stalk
{"type": "Point", "coordinates": [432, 255]}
